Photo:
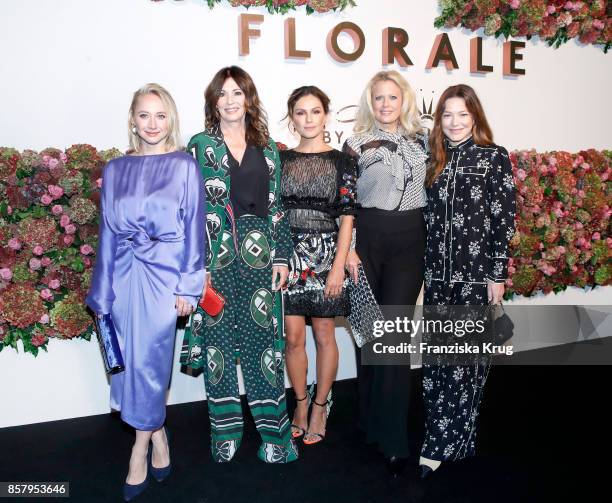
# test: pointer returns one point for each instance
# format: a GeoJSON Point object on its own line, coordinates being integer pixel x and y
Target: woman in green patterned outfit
{"type": "Point", "coordinates": [248, 248]}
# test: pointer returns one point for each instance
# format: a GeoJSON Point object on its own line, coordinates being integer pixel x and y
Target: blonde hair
{"type": "Point", "coordinates": [410, 118]}
{"type": "Point", "coordinates": [173, 140]}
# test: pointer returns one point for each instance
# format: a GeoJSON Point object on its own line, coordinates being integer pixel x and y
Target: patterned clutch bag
{"type": "Point", "coordinates": [364, 310]}
{"type": "Point", "coordinates": [109, 344]}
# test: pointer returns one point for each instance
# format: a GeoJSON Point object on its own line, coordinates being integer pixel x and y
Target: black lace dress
{"type": "Point", "coordinates": [316, 188]}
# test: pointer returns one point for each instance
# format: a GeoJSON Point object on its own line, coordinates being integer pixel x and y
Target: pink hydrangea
{"type": "Point", "coordinates": [44, 319]}
{"type": "Point", "coordinates": [6, 274]}
{"type": "Point", "coordinates": [64, 220]}
{"type": "Point", "coordinates": [54, 284]}
{"type": "Point", "coordinates": [70, 229]}
{"type": "Point", "coordinates": [37, 250]}
{"type": "Point", "coordinates": [53, 162]}
{"type": "Point", "coordinates": [99, 183]}
{"type": "Point", "coordinates": [35, 264]}
{"type": "Point", "coordinates": [46, 294]}
{"type": "Point", "coordinates": [57, 209]}
{"type": "Point", "coordinates": [515, 4]}
{"type": "Point", "coordinates": [46, 199]}
{"type": "Point", "coordinates": [86, 249]}
{"type": "Point", "coordinates": [45, 261]}
{"type": "Point", "coordinates": [63, 157]}
{"type": "Point", "coordinates": [68, 239]}
{"type": "Point", "coordinates": [596, 236]}
{"type": "Point", "coordinates": [14, 244]}
{"type": "Point", "coordinates": [56, 191]}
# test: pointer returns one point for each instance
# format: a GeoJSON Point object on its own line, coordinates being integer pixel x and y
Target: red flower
{"type": "Point", "coordinates": [21, 305]}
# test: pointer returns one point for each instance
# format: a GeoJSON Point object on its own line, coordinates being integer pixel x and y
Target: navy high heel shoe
{"type": "Point", "coordinates": [160, 474]}
{"type": "Point", "coordinates": [131, 491]}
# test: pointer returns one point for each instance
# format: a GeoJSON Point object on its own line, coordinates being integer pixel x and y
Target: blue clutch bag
{"type": "Point", "coordinates": [109, 345]}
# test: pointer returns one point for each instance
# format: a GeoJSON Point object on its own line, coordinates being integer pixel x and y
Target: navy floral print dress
{"type": "Point", "coordinates": [470, 222]}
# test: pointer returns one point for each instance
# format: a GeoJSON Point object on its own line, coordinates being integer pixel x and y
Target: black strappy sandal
{"type": "Point", "coordinates": [327, 404]}
{"type": "Point", "coordinates": [302, 431]}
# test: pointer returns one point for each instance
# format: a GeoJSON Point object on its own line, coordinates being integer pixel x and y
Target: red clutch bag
{"type": "Point", "coordinates": [212, 303]}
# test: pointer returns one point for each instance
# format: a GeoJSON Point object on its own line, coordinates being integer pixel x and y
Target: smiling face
{"type": "Point", "coordinates": [457, 122]}
{"type": "Point", "coordinates": [152, 125]}
{"type": "Point", "coordinates": [387, 104]}
{"type": "Point", "coordinates": [309, 117]}
{"type": "Point", "coordinates": [231, 104]}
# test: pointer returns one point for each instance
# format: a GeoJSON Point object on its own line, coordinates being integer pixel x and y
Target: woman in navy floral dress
{"type": "Point", "coordinates": [470, 221]}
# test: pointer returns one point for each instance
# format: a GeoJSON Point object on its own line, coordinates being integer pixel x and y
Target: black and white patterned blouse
{"type": "Point", "coordinates": [391, 169]}
{"type": "Point", "coordinates": [470, 216]}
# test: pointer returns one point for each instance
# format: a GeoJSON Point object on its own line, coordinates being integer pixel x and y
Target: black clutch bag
{"type": "Point", "coordinates": [503, 327]}
{"type": "Point", "coordinates": [109, 345]}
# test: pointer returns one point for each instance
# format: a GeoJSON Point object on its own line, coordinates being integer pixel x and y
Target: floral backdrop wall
{"type": "Point", "coordinates": [49, 224]}
{"type": "Point", "coordinates": [555, 21]}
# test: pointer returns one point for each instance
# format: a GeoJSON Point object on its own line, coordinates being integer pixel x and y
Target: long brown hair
{"type": "Point", "coordinates": [256, 121]}
{"type": "Point", "coordinates": [481, 131]}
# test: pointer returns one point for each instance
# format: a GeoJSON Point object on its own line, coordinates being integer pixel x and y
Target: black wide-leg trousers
{"type": "Point", "coordinates": [391, 246]}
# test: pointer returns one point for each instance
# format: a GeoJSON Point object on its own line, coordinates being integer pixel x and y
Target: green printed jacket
{"type": "Point", "coordinates": [210, 151]}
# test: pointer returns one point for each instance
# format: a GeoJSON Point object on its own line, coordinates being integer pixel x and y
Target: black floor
{"type": "Point", "coordinates": [542, 431]}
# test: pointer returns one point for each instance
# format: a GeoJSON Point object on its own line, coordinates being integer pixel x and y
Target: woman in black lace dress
{"type": "Point", "coordinates": [317, 186]}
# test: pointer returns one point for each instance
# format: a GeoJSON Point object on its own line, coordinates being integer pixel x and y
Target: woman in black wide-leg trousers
{"type": "Point", "coordinates": [390, 148]}
{"type": "Point", "coordinates": [391, 246]}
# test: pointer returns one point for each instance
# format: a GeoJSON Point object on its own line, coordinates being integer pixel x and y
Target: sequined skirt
{"type": "Point", "coordinates": [312, 259]}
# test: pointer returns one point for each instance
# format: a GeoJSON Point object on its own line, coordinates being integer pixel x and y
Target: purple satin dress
{"type": "Point", "coordinates": [151, 248]}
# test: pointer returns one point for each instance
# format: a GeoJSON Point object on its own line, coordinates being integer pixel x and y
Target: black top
{"type": "Point", "coordinates": [470, 216]}
{"type": "Point", "coordinates": [250, 183]}
{"type": "Point", "coordinates": [316, 188]}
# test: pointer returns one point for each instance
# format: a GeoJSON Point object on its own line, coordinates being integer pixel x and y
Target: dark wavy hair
{"type": "Point", "coordinates": [481, 131]}
{"type": "Point", "coordinates": [256, 120]}
{"type": "Point", "coordinates": [300, 92]}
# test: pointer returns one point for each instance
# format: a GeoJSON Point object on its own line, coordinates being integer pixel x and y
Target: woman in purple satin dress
{"type": "Point", "coordinates": [149, 269]}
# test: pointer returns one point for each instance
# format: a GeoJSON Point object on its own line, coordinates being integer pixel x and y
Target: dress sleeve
{"type": "Point", "coordinates": [346, 196]}
{"type": "Point", "coordinates": [348, 150]}
{"type": "Point", "coordinates": [101, 295]}
{"type": "Point", "coordinates": [191, 281]}
{"type": "Point", "coordinates": [501, 204]}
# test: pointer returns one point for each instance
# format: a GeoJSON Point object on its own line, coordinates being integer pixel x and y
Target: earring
{"type": "Point", "coordinates": [292, 129]}
{"type": "Point", "coordinates": [134, 130]}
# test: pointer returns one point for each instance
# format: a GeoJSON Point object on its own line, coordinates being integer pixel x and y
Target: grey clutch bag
{"type": "Point", "coordinates": [364, 310]}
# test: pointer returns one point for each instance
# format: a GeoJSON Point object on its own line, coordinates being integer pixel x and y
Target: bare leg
{"type": "Point", "coordinates": [327, 366]}
{"type": "Point", "coordinates": [297, 367]}
{"type": "Point", "coordinates": [138, 461]}
{"type": "Point", "coordinates": [161, 451]}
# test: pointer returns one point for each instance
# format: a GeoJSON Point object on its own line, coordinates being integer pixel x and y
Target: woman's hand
{"type": "Point", "coordinates": [281, 272]}
{"type": "Point", "coordinates": [183, 307]}
{"type": "Point", "coordinates": [495, 292]}
{"type": "Point", "coordinates": [352, 265]}
{"type": "Point", "coordinates": [333, 285]}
